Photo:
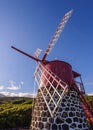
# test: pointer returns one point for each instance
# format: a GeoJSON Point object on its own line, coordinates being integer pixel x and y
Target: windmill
{"type": "Point", "coordinates": [60, 97]}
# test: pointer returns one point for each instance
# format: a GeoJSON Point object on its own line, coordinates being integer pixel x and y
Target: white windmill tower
{"type": "Point", "coordinates": [58, 103]}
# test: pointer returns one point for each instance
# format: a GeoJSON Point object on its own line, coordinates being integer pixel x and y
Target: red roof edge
{"type": "Point", "coordinates": [75, 74]}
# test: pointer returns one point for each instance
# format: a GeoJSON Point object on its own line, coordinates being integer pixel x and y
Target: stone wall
{"type": "Point", "coordinates": [68, 116]}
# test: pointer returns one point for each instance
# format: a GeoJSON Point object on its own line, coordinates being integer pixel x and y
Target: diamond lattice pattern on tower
{"type": "Point", "coordinates": [51, 87]}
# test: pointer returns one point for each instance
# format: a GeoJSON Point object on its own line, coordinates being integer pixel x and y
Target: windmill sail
{"type": "Point", "coordinates": [37, 53]}
{"type": "Point", "coordinates": [24, 53]}
{"type": "Point", "coordinates": [57, 33]}
{"type": "Point", "coordinates": [50, 87]}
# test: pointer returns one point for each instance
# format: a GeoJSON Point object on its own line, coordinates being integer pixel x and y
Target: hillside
{"type": "Point", "coordinates": [16, 112]}
{"type": "Point", "coordinates": [1, 95]}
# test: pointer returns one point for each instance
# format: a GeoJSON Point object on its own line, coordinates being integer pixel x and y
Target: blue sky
{"type": "Point", "coordinates": [30, 24]}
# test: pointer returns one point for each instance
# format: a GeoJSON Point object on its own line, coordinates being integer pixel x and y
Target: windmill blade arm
{"type": "Point", "coordinates": [22, 52]}
{"type": "Point", "coordinates": [57, 33]}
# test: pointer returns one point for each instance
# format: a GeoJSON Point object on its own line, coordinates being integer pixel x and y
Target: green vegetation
{"type": "Point", "coordinates": [15, 112]}
{"type": "Point", "coordinates": [90, 100]}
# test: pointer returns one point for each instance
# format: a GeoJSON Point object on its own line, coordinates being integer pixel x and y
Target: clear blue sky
{"type": "Point", "coordinates": [29, 24]}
